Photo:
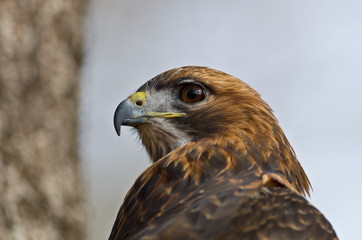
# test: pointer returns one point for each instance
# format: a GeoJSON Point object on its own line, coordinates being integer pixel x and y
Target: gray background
{"type": "Point", "coordinates": [304, 57]}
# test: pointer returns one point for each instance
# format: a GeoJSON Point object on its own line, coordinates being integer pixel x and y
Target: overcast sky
{"type": "Point", "coordinates": [304, 57]}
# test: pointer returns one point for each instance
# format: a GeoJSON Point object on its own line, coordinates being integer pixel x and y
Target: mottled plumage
{"type": "Point", "coordinates": [222, 167]}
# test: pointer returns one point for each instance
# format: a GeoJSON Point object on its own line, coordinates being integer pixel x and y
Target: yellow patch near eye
{"type": "Point", "coordinates": [165, 115]}
{"type": "Point", "coordinates": [138, 98]}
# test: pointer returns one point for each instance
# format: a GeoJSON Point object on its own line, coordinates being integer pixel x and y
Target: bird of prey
{"type": "Point", "coordinates": [222, 166]}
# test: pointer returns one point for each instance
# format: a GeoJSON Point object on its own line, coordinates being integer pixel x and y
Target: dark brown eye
{"type": "Point", "coordinates": [192, 93]}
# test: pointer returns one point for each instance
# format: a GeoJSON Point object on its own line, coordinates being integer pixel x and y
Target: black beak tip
{"type": "Point", "coordinates": [117, 127]}
{"type": "Point", "coordinates": [117, 121]}
{"type": "Point", "coordinates": [118, 130]}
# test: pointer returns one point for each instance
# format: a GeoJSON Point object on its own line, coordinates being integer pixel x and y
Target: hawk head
{"type": "Point", "coordinates": [199, 104]}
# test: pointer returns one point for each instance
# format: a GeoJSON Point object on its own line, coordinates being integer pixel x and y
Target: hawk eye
{"type": "Point", "coordinates": [192, 93]}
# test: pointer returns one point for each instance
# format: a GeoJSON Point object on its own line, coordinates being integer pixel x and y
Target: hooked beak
{"type": "Point", "coordinates": [132, 112]}
{"type": "Point", "coordinates": [126, 114]}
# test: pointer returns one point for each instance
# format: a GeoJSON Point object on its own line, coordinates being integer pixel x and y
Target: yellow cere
{"type": "Point", "coordinates": [138, 96]}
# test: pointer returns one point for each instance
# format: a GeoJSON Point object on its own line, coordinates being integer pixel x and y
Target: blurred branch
{"type": "Point", "coordinates": [41, 195]}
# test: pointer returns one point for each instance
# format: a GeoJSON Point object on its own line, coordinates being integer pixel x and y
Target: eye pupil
{"type": "Point", "coordinates": [192, 93]}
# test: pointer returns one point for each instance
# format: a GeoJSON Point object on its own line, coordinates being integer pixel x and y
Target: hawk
{"type": "Point", "coordinates": [222, 166]}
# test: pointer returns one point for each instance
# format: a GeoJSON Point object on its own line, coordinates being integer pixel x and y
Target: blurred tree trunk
{"type": "Point", "coordinates": [41, 194]}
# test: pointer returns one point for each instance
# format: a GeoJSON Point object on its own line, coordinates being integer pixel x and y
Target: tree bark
{"type": "Point", "coordinates": [41, 194]}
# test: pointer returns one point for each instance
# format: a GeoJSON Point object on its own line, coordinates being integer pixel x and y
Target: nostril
{"type": "Point", "coordinates": [139, 103]}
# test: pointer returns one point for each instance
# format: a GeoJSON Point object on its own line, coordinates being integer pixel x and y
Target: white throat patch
{"type": "Point", "coordinates": [160, 137]}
